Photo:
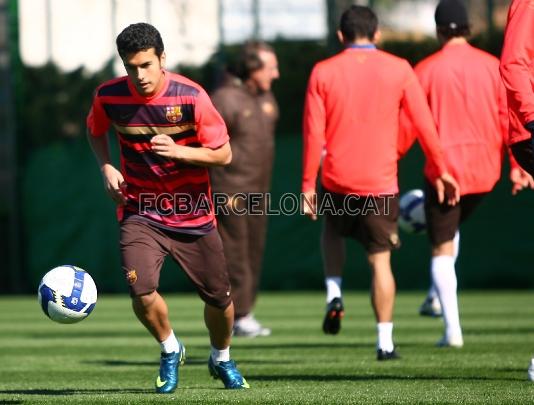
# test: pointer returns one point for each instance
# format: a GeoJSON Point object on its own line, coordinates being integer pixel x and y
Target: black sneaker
{"type": "Point", "coordinates": [382, 355]}
{"type": "Point", "coordinates": [333, 316]}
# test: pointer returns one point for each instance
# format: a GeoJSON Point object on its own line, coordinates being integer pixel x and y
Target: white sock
{"type": "Point", "coordinates": [385, 336]}
{"type": "Point", "coordinates": [170, 345]}
{"type": "Point", "coordinates": [432, 292]}
{"type": "Point", "coordinates": [220, 355]}
{"type": "Point", "coordinates": [333, 288]}
{"type": "Point", "coordinates": [456, 242]}
{"type": "Point", "coordinates": [444, 277]}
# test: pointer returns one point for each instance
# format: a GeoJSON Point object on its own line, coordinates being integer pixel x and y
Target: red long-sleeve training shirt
{"type": "Point", "coordinates": [517, 67]}
{"type": "Point", "coordinates": [468, 102]}
{"type": "Point", "coordinates": [352, 110]}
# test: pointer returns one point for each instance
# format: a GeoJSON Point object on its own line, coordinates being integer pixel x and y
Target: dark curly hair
{"type": "Point", "coordinates": [358, 22]}
{"type": "Point", "coordinates": [139, 37]}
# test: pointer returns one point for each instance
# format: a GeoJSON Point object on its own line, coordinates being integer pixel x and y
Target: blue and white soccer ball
{"type": "Point", "coordinates": [67, 294]}
{"type": "Point", "coordinates": [412, 212]}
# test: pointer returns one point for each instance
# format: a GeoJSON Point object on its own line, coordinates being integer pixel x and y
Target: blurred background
{"type": "Point", "coordinates": [53, 208]}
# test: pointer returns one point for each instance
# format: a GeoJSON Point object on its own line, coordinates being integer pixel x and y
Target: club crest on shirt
{"type": "Point", "coordinates": [268, 108]}
{"type": "Point", "coordinates": [131, 276]}
{"type": "Point", "coordinates": [173, 113]}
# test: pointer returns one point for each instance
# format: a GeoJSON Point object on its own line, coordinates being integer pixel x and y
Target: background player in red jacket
{"type": "Point", "coordinates": [468, 102]}
{"type": "Point", "coordinates": [169, 132]}
{"type": "Point", "coordinates": [517, 71]}
{"type": "Point", "coordinates": [352, 111]}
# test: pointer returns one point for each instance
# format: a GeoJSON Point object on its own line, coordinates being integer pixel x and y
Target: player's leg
{"type": "Point", "coordinates": [379, 236]}
{"type": "Point", "coordinates": [444, 278]}
{"type": "Point", "coordinates": [432, 306]}
{"type": "Point", "coordinates": [202, 259]}
{"type": "Point", "coordinates": [235, 235]}
{"type": "Point", "coordinates": [383, 300]}
{"type": "Point", "coordinates": [143, 249]}
{"type": "Point", "coordinates": [333, 253]}
{"type": "Point", "coordinates": [442, 225]}
{"type": "Point", "coordinates": [257, 229]}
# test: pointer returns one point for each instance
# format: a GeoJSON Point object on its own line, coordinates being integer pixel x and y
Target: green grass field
{"type": "Point", "coordinates": [109, 358]}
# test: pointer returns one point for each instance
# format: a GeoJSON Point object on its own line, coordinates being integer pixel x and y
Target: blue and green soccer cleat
{"type": "Point", "coordinates": [167, 380]}
{"type": "Point", "coordinates": [228, 373]}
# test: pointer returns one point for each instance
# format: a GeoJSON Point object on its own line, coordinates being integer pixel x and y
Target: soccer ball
{"type": "Point", "coordinates": [412, 212]}
{"type": "Point", "coordinates": [67, 294]}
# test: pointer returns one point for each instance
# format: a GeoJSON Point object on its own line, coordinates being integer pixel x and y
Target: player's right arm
{"type": "Point", "coordinates": [97, 126]}
{"type": "Point", "coordinates": [314, 126]}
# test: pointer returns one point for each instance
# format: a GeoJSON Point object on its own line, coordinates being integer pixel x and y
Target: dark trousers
{"type": "Point", "coordinates": [243, 239]}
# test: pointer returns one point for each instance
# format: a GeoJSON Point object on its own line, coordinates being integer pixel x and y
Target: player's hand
{"type": "Point", "coordinates": [309, 204]}
{"type": "Point", "coordinates": [520, 180]}
{"type": "Point", "coordinates": [448, 189]}
{"type": "Point", "coordinates": [114, 184]}
{"type": "Point", "coordinates": [164, 145]}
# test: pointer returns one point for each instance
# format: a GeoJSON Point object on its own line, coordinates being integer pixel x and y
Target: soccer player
{"type": "Point", "coordinates": [250, 111]}
{"type": "Point", "coordinates": [468, 102]}
{"type": "Point", "coordinates": [517, 71]}
{"type": "Point", "coordinates": [169, 132]}
{"type": "Point", "coordinates": [352, 112]}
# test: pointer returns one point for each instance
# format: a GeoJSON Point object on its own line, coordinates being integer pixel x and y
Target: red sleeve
{"type": "Point", "coordinates": [314, 125]}
{"type": "Point", "coordinates": [504, 118]}
{"type": "Point", "coordinates": [517, 59]}
{"type": "Point", "coordinates": [97, 121]}
{"type": "Point", "coordinates": [407, 134]}
{"type": "Point", "coordinates": [211, 128]}
{"type": "Point", "coordinates": [415, 105]}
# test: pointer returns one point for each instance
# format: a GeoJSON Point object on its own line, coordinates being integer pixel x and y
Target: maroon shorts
{"type": "Point", "coordinates": [145, 246]}
{"type": "Point", "coordinates": [371, 220]}
{"type": "Point", "coordinates": [442, 220]}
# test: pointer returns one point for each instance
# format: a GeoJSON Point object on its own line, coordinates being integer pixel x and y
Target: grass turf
{"type": "Point", "coordinates": [110, 358]}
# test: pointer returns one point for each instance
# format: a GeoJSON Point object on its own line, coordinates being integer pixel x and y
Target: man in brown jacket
{"type": "Point", "coordinates": [250, 112]}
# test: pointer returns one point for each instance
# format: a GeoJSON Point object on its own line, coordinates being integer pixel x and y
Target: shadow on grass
{"type": "Point", "coordinates": [68, 391]}
{"type": "Point", "coordinates": [505, 330]}
{"type": "Point", "coordinates": [188, 361]}
{"type": "Point", "coordinates": [118, 363]}
{"type": "Point", "coordinates": [312, 345]}
{"type": "Point", "coordinates": [375, 377]}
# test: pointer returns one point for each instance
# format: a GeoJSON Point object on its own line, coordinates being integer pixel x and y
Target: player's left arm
{"type": "Point", "coordinates": [165, 146]}
{"type": "Point", "coordinates": [313, 134]}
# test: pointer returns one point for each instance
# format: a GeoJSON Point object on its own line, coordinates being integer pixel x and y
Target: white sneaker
{"type": "Point", "coordinates": [248, 326]}
{"type": "Point", "coordinates": [453, 341]}
{"type": "Point", "coordinates": [531, 370]}
{"type": "Point", "coordinates": [431, 307]}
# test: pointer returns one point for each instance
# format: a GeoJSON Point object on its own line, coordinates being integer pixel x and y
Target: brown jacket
{"type": "Point", "coordinates": [251, 120]}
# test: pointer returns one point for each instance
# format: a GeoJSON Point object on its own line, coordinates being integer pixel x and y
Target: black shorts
{"type": "Point", "coordinates": [371, 220]}
{"type": "Point", "coordinates": [144, 247]}
{"type": "Point", "coordinates": [443, 220]}
{"type": "Point", "coordinates": [524, 155]}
